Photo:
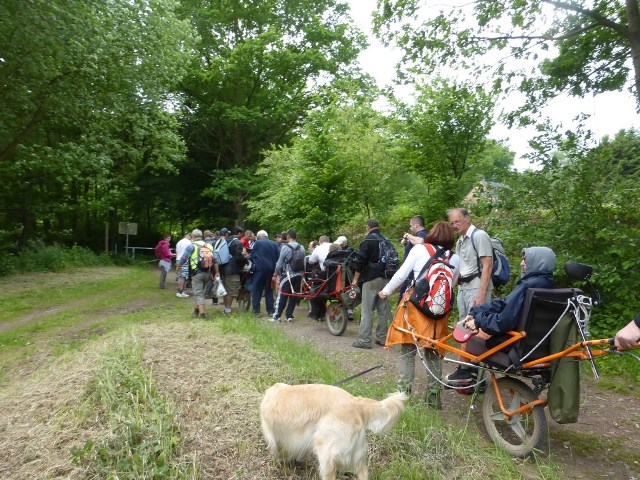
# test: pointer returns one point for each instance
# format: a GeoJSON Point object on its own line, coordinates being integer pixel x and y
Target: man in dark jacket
{"type": "Point", "coordinates": [263, 258]}
{"type": "Point", "coordinates": [370, 281]}
{"type": "Point", "coordinates": [503, 314]}
{"type": "Point", "coordinates": [233, 269]}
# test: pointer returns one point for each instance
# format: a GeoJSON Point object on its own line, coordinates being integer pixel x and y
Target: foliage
{"type": "Point", "coordinates": [259, 70]}
{"type": "Point", "coordinates": [446, 132]}
{"type": "Point", "coordinates": [85, 88]}
{"type": "Point", "coordinates": [340, 168]}
{"type": "Point", "coordinates": [52, 258]}
{"type": "Point", "coordinates": [143, 438]}
{"type": "Point", "coordinates": [548, 47]}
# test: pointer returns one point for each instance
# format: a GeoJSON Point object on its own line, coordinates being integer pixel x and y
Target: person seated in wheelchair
{"type": "Point", "coordinates": [502, 314]}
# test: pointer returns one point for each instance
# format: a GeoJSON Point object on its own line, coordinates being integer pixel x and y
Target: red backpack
{"type": "Point", "coordinates": [433, 292]}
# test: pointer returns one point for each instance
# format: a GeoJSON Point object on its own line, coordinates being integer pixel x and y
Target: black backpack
{"type": "Point", "coordinates": [389, 261]}
{"type": "Point", "coordinates": [296, 264]}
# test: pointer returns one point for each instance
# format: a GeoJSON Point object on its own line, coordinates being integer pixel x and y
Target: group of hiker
{"type": "Point", "coordinates": [468, 263]}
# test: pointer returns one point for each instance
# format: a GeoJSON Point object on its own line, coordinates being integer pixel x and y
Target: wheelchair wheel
{"type": "Point", "coordinates": [521, 434]}
{"type": "Point", "coordinates": [336, 318]}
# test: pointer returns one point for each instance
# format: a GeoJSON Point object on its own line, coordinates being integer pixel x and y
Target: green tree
{"type": "Point", "coordinates": [446, 132]}
{"type": "Point", "coordinates": [259, 70]}
{"type": "Point", "coordinates": [567, 46]}
{"type": "Point", "coordinates": [85, 87]}
{"type": "Point", "coordinates": [341, 169]}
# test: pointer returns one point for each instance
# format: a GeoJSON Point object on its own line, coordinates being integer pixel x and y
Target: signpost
{"type": "Point", "coordinates": [126, 228]}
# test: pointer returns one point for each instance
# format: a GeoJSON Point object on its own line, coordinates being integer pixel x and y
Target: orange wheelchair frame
{"type": "Point", "coordinates": [512, 410]}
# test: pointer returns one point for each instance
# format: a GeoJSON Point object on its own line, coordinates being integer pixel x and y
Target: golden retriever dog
{"type": "Point", "coordinates": [326, 421]}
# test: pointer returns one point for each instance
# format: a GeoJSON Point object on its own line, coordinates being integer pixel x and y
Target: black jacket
{"type": "Point", "coordinates": [234, 267]}
{"type": "Point", "coordinates": [366, 261]}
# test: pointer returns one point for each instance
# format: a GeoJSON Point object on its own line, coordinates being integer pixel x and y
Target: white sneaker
{"type": "Point", "coordinates": [182, 295]}
{"type": "Point", "coordinates": [289, 320]}
{"type": "Point", "coordinates": [274, 319]}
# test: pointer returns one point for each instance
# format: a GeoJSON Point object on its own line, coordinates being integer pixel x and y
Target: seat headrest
{"type": "Point", "coordinates": [578, 271]}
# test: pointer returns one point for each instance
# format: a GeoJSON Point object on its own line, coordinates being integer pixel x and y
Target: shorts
{"type": "Point", "coordinates": [231, 284]}
{"type": "Point", "coordinates": [164, 265]}
{"type": "Point", "coordinates": [184, 271]}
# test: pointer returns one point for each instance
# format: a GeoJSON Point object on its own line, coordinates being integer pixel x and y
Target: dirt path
{"type": "Point", "coordinates": [598, 446]}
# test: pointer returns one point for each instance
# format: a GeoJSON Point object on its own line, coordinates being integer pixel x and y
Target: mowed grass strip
{"type": "Point", "coordinates": [141, 437]}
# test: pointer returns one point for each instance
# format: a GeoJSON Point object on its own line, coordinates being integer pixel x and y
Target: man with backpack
{"type": "Point", "coordinates": [288, 275]}
{"type": "Point", "coordinates": [371, 276]}
{"type": "Point", "coordinates": [202, 266]}
{"type": "Point", "coordinates": [474, 272]}
{"type": "Point", "coordinates": [233, 268]}
{"type": "Point", "coordinates": [182, 274]}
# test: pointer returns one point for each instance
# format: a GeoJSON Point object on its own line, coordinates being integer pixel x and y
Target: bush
{"type": "Point", "coordinates": [51, 258]}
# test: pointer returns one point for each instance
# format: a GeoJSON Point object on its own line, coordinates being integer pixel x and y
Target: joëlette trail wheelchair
{"type": "Point", "coordinates": [331, 286]}
{"type": "Point", "coordinates": [543, 353]}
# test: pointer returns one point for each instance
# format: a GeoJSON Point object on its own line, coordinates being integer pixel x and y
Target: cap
{"type": "Point", "coordinates": [224, 231]}
{"type": "Point", "coordinates": [341, 240]}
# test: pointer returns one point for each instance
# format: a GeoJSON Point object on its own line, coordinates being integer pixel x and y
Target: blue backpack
{"type": "Point", "coordinates": [501, 266]}
{"type": "Point", "coordinates": [221, 251]}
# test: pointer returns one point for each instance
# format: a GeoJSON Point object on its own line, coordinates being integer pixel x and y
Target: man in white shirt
{"type": "Point", "coordinates": [320, 253]}
{"type": "Point", "coordinates": [182, 273]}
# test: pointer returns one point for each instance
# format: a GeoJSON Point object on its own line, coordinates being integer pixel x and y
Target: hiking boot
{"type": "Point", "coordinates": [462, 375]}
{"type": "Point", "coordinates": [203, 315]}
{"type": "Point", "coordinates": [378, 342]}
{"type": "Point", "coordinates": [359, 344]}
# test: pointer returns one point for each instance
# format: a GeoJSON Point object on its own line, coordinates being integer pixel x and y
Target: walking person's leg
{"type": "Point", "coordinates": [293, 301]}
{"type": "Point", "coordinates": [369, 295]}
{"type": "Point", "coordinates": [257, 287]}
{"type": "Point", "coordinates": [406, 367]}
{"type": "Point", "coordinates": [384, 311]}
{"type": "Point", "coordinates": [268, 293]}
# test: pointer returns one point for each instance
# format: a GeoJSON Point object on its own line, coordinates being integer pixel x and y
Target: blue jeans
{"type": "Point", "coordinates": [262, 284]}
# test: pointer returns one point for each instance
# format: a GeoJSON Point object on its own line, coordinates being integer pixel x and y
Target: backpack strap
{"type": "Point", "coordinates": [434, 252]}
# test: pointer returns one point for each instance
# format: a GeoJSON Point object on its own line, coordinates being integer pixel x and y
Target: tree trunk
{"type": "Point", "coordinates": [633, 14]}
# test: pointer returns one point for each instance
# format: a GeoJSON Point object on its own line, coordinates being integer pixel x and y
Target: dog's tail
{"type": "Point", "coordinates": [381, 416]}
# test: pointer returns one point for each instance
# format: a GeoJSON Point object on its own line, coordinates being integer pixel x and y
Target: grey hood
{"type": "Point", "coordinates": [539, 259]}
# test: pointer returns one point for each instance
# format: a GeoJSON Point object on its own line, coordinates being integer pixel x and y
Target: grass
{"type": "Point", "coordinates": [135, 421]}
{"type": "Point", "coordinates": [142, 439]}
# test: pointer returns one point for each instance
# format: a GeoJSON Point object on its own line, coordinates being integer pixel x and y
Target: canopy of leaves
{"type": "Point", "coordinates": [446, 132]}
{"type": "Point", "coordinates": [84, 93]}
{"type": "Point", "coordinates": [258, 72]}
{"type": "Point", "coordinates": [548, 46]}
{"type": "Point", "coordinates": [341, 167]}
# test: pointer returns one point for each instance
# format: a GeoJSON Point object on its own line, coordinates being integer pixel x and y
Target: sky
{"type": "Point", "coordinates": [610, 112]}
